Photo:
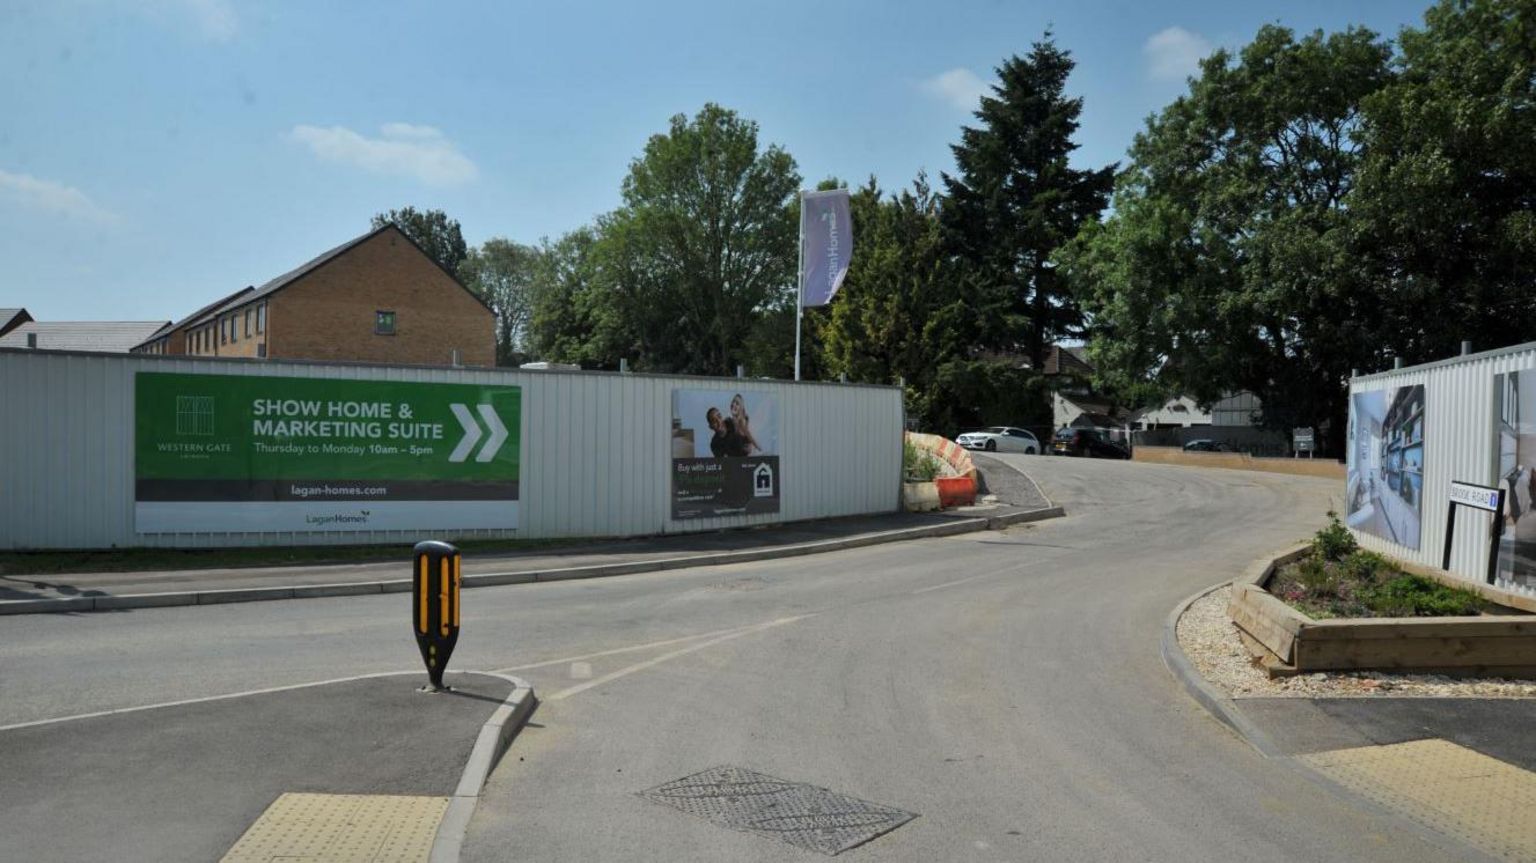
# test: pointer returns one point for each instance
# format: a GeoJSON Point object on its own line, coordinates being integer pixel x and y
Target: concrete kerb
{"type": "Point", "coordinates": [489, 579]}
{"type": "Point", "coordinates": [1208, 696]}
{"type": "Point", "coordinates": [493, 741]}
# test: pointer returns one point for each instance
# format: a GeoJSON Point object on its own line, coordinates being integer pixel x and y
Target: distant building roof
{"type": "Point", "coordinates": [12, 318]}
{"type": "Point", "coordinates": [1068, 360]}
{"type": "Point", "coordinates": [189, 319]}
{"type": "Point", "coordinates": [109, 336]}
{"type": "Point", "coordinates": [1094, 419]}
{"type": "Point", "coordinates": [252, 294]}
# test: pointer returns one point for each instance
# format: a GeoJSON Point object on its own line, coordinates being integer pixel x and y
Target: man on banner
{"type": "Point", "coordinates": [826, 245]}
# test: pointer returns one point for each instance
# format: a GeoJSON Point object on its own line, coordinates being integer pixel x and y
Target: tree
{"type": "Point", "coordinates": [438, 235]}
{"type": "Point", "coordinates": [1016, 199]}
{"type": "Point", "coordinates": [502, 273]}
{"type": "Point", "coordinates": [703, 245]}
{"type": "Point", "coordinates": [1228, 263]}
{"type": "Point", "coordinates": [1446, 201]}
{"type": "Point", "coordinates": [571, 320]}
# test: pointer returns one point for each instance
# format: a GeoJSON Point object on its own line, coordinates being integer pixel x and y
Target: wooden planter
{"type": "Point", "coordinates": [1287, 641]}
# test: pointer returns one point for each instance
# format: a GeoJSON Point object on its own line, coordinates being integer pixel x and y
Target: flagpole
{"type": "Point", "coordinates": [799, 284]}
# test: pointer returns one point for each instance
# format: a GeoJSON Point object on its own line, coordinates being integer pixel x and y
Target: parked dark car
{"type": "Point", "coordinates": [1086, 443]}
{"type": "Point", "coordinates": [1206, 445]}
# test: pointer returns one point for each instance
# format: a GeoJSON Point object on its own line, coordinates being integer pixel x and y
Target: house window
{"type": "Point", "coordinates": [247, 323]}
{"type": "Point", "coordinates": [261, 318]}
{"type": "Point", "coordinates": [384, 323]}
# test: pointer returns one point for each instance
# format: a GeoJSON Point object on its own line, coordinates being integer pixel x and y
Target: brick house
{"type": "Point", "coordinates": [377, 299]}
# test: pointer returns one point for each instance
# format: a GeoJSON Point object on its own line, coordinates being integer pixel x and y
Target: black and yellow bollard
{"type": "Point", "coordinates": [435, 609]}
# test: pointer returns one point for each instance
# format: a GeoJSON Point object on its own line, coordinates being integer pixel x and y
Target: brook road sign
{"type": "Point", "coordinates": [1478, 497]}
{"type": "Point", "coordinates": [245, 453]}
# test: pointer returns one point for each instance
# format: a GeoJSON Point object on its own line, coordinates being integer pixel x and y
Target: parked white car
{"type": "Point", "coordinates": [1001, 439]}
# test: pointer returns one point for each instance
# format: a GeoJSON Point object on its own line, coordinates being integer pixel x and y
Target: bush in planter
{"type": "Point", "coordinates": [1416, 596]}
{"type": "Point", "coordinates": [1334, 542]}
{"type": "Point", "coordinates": [916, 464]}
{"type": "Point", "coordinates": [1338, 579]}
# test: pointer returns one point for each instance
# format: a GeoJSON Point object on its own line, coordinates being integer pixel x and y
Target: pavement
{"type": "Point", "coordinates": [994, 695]}
{"type": "Point", "coordinates": [1013, 496]}
{"type": "Point", "coordinates": [185, 781]}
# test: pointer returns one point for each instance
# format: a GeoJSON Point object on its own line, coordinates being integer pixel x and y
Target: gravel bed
{"type": "Point", "coordinates": [1210, 640]}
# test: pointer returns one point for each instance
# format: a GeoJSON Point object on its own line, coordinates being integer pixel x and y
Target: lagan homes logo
{"type": "Point", "coordinates": [762, 480]}
{"type": "Point", "coordinates": [339, 518]}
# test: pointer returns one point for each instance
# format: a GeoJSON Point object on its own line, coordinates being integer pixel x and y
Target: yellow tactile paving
{"type": "Point", "coordinates": [344, 828]}
{"type": "Point", "coordinates": [1475, 798]}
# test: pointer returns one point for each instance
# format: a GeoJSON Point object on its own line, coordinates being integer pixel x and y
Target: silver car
{"type": "Point", "coordinates": [1001, 439]}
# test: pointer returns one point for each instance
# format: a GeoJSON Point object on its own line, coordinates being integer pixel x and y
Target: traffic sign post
{"type": "Point", "coordinates": [1478, 497]}
{"type": "Point", "coordinates": [1303, 441]}
{"type": "Point", "coordinates": [435, 606]}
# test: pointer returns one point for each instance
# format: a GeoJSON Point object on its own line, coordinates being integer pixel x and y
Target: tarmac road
{"type": "Point", "coordinates": [1005, 687]}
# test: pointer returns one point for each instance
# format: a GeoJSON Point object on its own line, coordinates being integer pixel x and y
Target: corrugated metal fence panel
{"type": "Point", "coordinates": [1459, 444]}
{"type": "Point", "coordinates": [596, 449]}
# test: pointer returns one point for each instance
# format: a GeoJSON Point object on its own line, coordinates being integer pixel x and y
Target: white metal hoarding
{"type": "Point", "coordinates": [1472, 434]}
{"type": "Point", "coordinates": [595, 450]}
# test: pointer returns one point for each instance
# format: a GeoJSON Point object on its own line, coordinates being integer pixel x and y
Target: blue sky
{"type": "Point", "coordinates": [156, 154]}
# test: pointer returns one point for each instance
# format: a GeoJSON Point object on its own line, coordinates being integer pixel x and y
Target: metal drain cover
{"type": "Point", "coordinates": [803, 815]}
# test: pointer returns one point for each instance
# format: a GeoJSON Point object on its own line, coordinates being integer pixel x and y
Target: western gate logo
{"type": "Point", "coordinates": [194, 415]}
{"type": "Point", "coordinates": [472, 433]}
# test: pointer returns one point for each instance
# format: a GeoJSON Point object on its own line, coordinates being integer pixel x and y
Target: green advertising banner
{"type": "Point", "coordinates": [255, 454]}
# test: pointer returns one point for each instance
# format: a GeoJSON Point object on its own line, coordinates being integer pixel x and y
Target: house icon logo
{"type": "Point", "coordinates": [762, 480]}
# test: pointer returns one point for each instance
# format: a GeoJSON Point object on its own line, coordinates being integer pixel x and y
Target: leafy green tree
{"type": "Point", "coordinates": [569, 320]}
{"type": "Point", "coordinates": [1445, 205]}
{"type": "Point", "coordinates": [438, 235]}
{"type": "Point", "coordinates": [502, 273]}
{"type": "Point", "coordinates": [1229, 262]}
{"type": "Point", "coordinates": [703, 245]}
{"type": "Point", "coordinates": [1016, 198]}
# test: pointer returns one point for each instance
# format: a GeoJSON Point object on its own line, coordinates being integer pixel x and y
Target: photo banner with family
{"type": "Point", "coordinates": [725, 453]}
{"type": "Point", "coordinates": [1515, 426]}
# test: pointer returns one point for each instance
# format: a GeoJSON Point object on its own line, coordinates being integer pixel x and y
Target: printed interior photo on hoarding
{"type": "Point", "coordinates": [725, 453]}
{"type": "Point", "coordinates": [1516, 429]}
{"type": "Point", "coordinates": [1384, 490]}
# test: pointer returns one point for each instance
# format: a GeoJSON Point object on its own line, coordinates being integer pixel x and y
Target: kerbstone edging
{"type": "Point", "coordinates": [493, 741]}
{"type": "Point", "coordinates": [1212, 699]}
{"type": "Point", "coordinates": [490, 579]}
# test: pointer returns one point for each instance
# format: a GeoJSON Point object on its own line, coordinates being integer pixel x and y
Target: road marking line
{"type": "Point", "coordinates": [617, 650]}
{"type": "Point", "coordinates": [207, 698]}
{"type": "Point", "coordinates": [650, 663]}
{"type": "Point", "coordinates": [952, 583]}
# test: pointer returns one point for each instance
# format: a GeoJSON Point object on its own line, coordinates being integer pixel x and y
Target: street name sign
{"type": "Point", "coordinates": [1478, 496]}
